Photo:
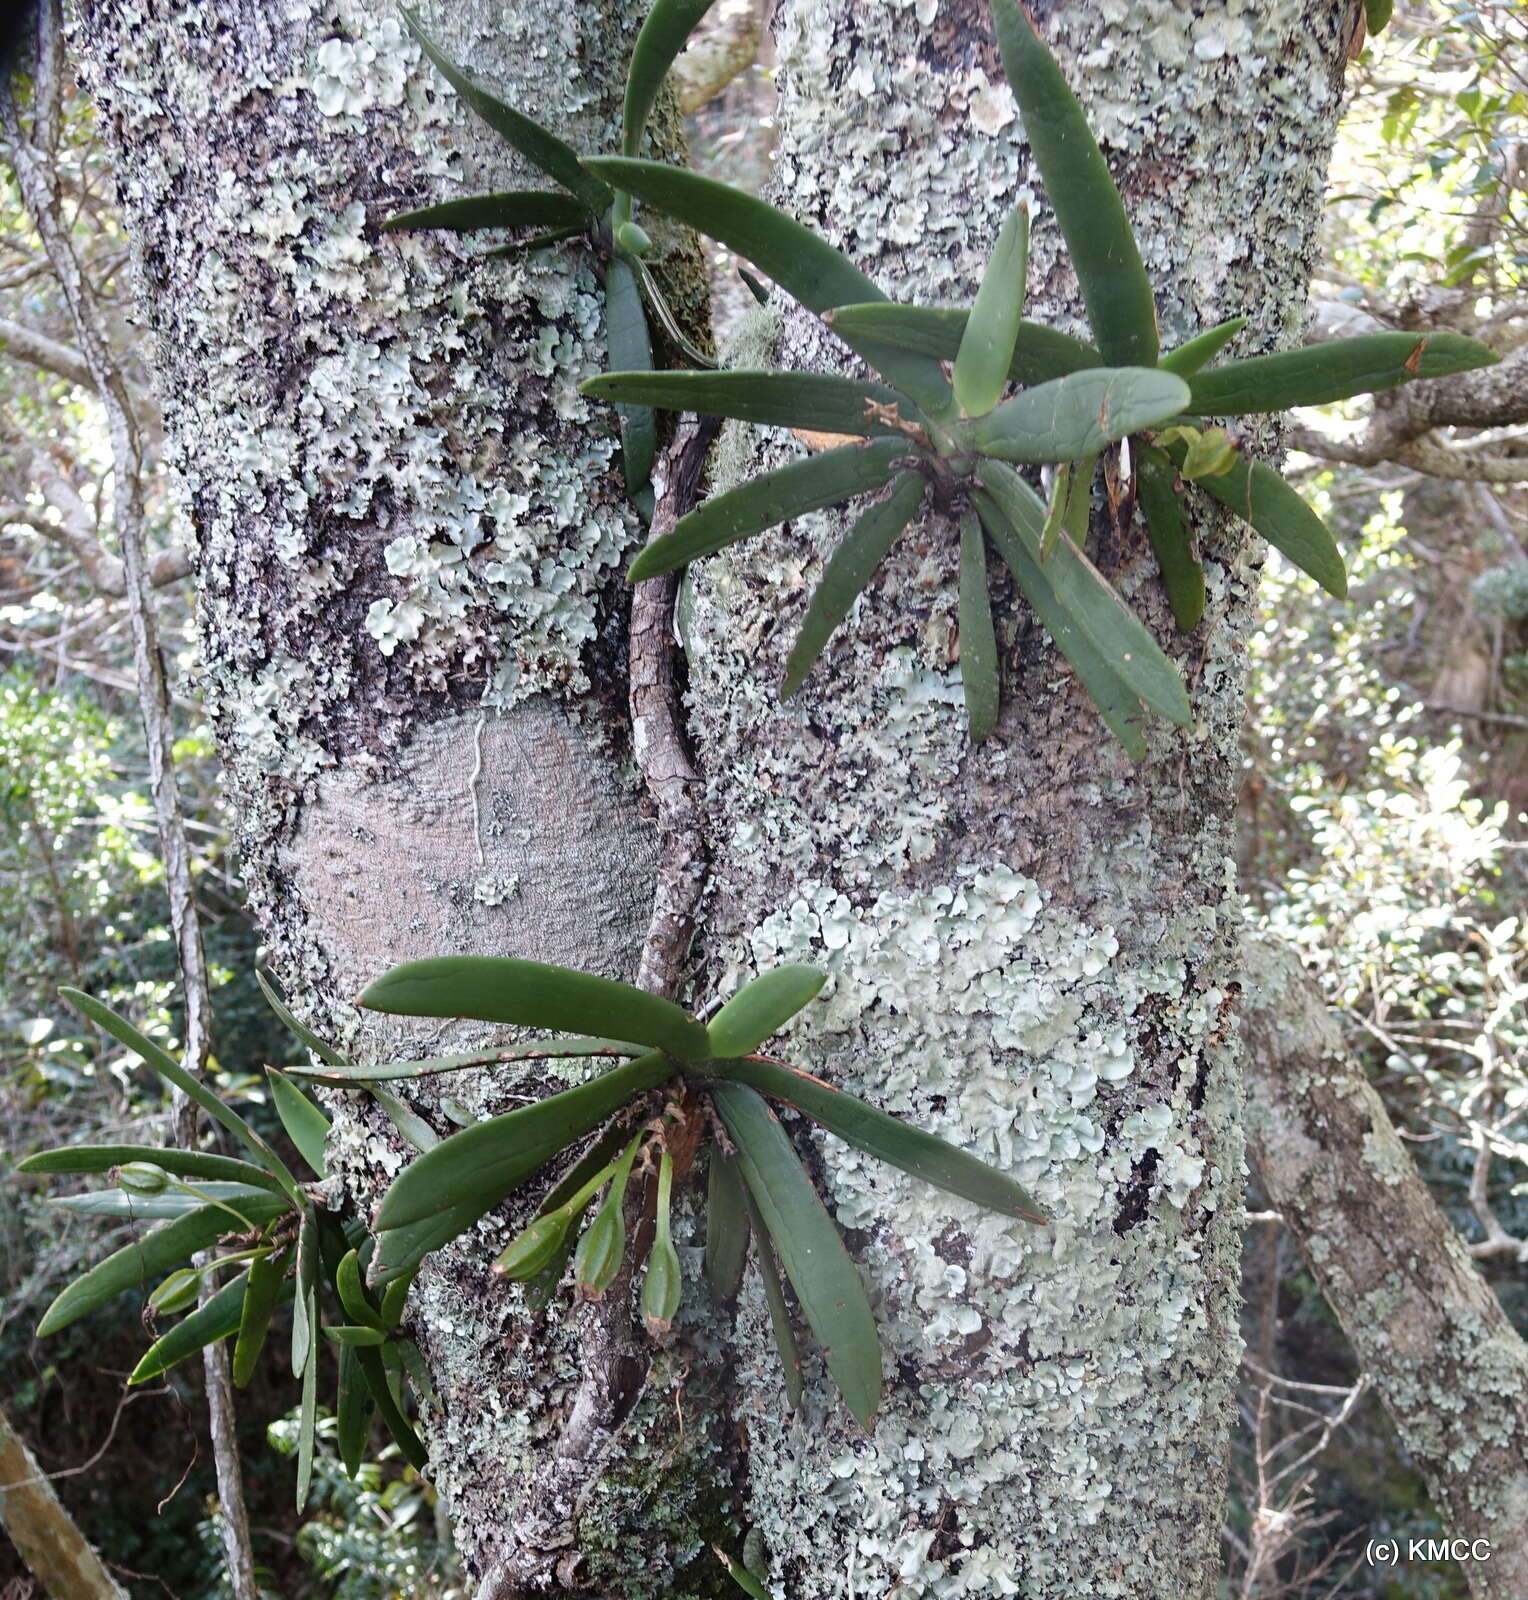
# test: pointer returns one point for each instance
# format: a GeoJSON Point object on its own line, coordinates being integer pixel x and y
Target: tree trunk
{"type": "Point", "coordinates": [1423, 1323]}
{"type": "Point", "coordinates": [1033, 941]}
{"type": "Point", "coordinates": [409, 529]}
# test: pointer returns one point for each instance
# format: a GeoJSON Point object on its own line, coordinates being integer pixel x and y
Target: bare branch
{"type": "Point", "coordinates": [38, 350]}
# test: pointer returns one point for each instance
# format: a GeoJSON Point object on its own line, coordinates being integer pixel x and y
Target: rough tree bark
{"type": "Point", "coordinates": [1033, 941]}
{"type": "Point", "coordinates": [408, 527]}
{"type": "Point", "coordinates": [1423, 1323]}
{"type": "Point", "coordinates": [45, 1535]}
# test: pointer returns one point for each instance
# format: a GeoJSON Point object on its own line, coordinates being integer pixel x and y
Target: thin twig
{"type": "Point", "coordinates": [541, 1554]}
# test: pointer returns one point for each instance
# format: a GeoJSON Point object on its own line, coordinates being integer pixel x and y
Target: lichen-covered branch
{"type": "Point", "coordinates": [1423, 1323]}
{"type": "Point", "coordinates": [46, 1537]}
{"type": "Point", "coordinates": [657, 727]}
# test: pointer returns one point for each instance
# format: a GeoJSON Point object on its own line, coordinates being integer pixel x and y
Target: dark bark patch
{"type": "Point", "coordinates": [1135, 1196]}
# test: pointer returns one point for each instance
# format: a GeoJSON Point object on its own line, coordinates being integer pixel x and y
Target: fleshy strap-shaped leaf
{"type": "Point", "coordinates": [473, 1170]}
{"type": "Point", "coordinates": [850, 568]}
{"type": "Point", "coordinates": [1088, 208]}
{"type": "Point", "coordinates": [991, 333]}
{"type": "Point", "coordinates": [1319, 374]}
{"type": "Point", "coordinates": [669, 24]}
{"type": "Point", "coordinates": [216, 1319]}
{"type": "Point", "coordinates": [1040, 354]}
{"type": "Point", "coordinates": [826, 1281]}
{"type": "Point", "coordinates": [978, 643]}
{"type": "Point", "coordinates": [171, 1070]}
{"type": "Point", "coordinates": [1259, 496]}
{"type": "Point", "coordinates": [307, 1127]}
{"type": "Point", "coordinates": [821, 401]}
{"type": "Point", "coordinates": [1118, 635]}
{"type": "Point", "coordinates": [800, 260]}
{"type": "Point", "coordinates": [530, 994]}
{"type": "Point", "coordinates": [1202, 349]}
{"type": "Point", "coordinates": [887, 1138]}
{"type": "Point", "coordinates": [178, 1163]}
{"type": "Point", "coordinates": [1182, 576]}
{"type": "Point", "coordinates": [156, 1252]}
{"type": "Point", "coordinates": [630, 351]}
{"type": "Point", "coordinates": [726, 1227]}
{"type": "Point", "coordinates": [1077, 416]}
{"type": "Point", "coordinates": [540, 146]}
{"type": "Point", "coordinates": [762, 1007]}
{"type": "Point", "coordinates": [788, 491]}
{"type": "Point", "coordinates": [1117, 705]}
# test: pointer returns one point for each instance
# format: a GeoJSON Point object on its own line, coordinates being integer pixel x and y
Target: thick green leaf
{"type": "Point", "coordinates": [991, 334]}
{"type": "Point", "coordinates": [354, 1335]}
{"type": "Point", "coordinates": [307, 1127]}
{"type": "Point", "coordinates": [171, 1070]}
{"type": "Point", "coordinates": [887, 1138]}
{"type": "Point", "coordinates": [193, 1164]}
{"type": "Point", "coordinates": [1088, 208]}
{"type": "Point", "coordinates": [1202, 349]}
{"type": "Point", "coordinates": [788, 491]}
{"type": "Point", "coordinates": [156, 1252]}
{"type": "Point", "coordinates": [1117, 705]}
{"type": "Point", "coordinates": [1259, 496]}
{"type": "Point", "coordinates": [774, 1297]}
{"type": "Point", "coordinates": [400, 1250]}
{"type": "Point", "coordinates": [513, 208]}
{"type": "Point", "coordinates": [268, 1287]}
{"type": "Point", "coordinates": [978, 642]}
{"type": "Point", "coordinates": [169, 1203]}
{"type": "Point", "coordinates": [352, 1292]}
{"type": "Point", "coordinates": [1040, 354]}
{"type": "Point", "coordinates": [352, 1411]}
{"type": "Point", "coordinates": [1076, 416]}
{"type": "Point", "coordinates": [529, 994]}
{"type": "Point", "coordinates": [1118, 635]}
{"type": "Point", "coordinates": [540, 146]}
{"type": "Point", "coordinates": [663, 35]}
{"type": "Point", "coordinates": [630, 351]}
{"type": "Point", "coordinates": [726, 1227]}
{"type": "Point", "coordinates": [305, 1307]}
{"type": "Point", "coordinates": [663, 1281]}
{"type": "Point", "coordinates": [820, 401]}
{"type": "Point", "coordinates": [744, 1579]}
{"type": "Point", "coordinates": [324, 1052]}
{"type": "Point", "coordinates": [1319, 374]}
{"type": "Point", "coordinates": [474, 1169]}
{"type": "Point", "coordinates": [1182, 576]}
{"type": "Point", "coordinates": [397, 1424]}
{"type": "Point", "coordinates": [214, 1320]}
{"type": "Point", "coordinates": [800, 260]}
{"type": "Point", "coordinates": [307, 1426]}
{"type": "Point", "coordinates": [1377, 14]}
{"type": "Point", "coordinates": [850, 568]}
{"type": "Point", "coordinates": [537, 1050]}
{"type": "Point", "coordinates": [410, 1126]}
{"type": "Point", "coordinates": [826, 1281]}
{"type": "Point", "coordinates": [762, 1007]}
